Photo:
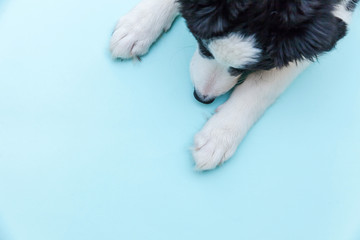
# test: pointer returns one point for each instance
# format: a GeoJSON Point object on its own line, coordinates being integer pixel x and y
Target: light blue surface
{"type": "Point", "coordinates": [92, 148]}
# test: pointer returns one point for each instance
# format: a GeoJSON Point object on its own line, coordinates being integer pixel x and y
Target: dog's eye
{"type": "Point", "coordinates": [203, 50]}
{"type": "Point", "coordinates": [235, 71]}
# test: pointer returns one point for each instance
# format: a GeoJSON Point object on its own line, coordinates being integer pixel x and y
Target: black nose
{"type": "Point", "coordinates": [203, 99]}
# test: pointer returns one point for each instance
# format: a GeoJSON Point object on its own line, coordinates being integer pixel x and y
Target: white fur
{"type": "Point", "coordinates": [235, 50]}
{"type": "Point", "coordinates": [221, 135]}
{"type": "Point", "coordinates": [210, 78]}
{"type": "Point", "coordinates": [219, 138]}
{"type": "Point", "coordinates": [137, 30]}
{"type": "Point", "coordinates": [341, 12]}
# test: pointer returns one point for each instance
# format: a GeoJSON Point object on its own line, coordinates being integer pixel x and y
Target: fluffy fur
{"type": "Point", "coordinates": [285, 30]}
{"type": "Point", "coordinates": [268, 41]}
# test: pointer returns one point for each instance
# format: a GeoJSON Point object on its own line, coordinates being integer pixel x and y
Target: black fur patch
{"type": "Point", "coordinates": [351, 5]}
{"type": "Point", "coordinates": [235, 71]}
{"type": "Point", "coordinates": [285, 30]}
{"type": "Point", "coordinates": [204, 52]}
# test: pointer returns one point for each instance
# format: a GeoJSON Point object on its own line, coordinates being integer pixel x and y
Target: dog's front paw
{"type": "Point", "coordinates": [213, 146]}
{"type": "Point", "coordinates": [132, 37]}
{"type": "Point", "coordinates": [136, 31]}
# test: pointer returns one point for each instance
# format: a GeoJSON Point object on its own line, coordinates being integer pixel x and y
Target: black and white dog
{"type": "Point", "coordinates": [268, 41]}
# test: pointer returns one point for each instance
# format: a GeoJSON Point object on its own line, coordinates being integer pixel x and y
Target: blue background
{"type": "Point", "coordinates": [92, 148]}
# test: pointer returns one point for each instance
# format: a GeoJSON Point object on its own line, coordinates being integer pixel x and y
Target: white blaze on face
{"type": "Point", "coordinates": [235, 50]}
{"type": "Point", "coordinates": [210, 78]}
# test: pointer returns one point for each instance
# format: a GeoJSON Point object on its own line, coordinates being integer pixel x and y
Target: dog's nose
{"type": "Point", "coordinates": [203, 98]}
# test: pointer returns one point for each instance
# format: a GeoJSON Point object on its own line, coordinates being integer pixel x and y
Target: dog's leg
{"type": "Point", "coordinates": [221, 135]}
{"type": "Point", "coordinates": [137, 30]}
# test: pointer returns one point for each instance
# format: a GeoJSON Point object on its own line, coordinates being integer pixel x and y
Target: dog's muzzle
{"type": "Point", "coordinates": [203, 99]}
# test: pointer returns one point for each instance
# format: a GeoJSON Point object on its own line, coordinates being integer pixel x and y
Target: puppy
{"type": "Point", "coordinates": [268, 42]}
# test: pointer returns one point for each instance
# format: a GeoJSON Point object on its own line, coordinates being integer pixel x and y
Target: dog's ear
{"type": "Point", "coordinates": [210, 18]}
{"type": "Point", "coordinates": [302, 30]}
{"type": "Point", "coordinates": [204, 18]}
{"type": "Point", "coordinates": [290, 13]}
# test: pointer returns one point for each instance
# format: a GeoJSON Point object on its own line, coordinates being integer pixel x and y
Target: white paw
{"type": "Point", "coordinates": [132, 37]}
{"type": "Point", "coordinates": [136, 31]}
{"type": "Point", "coordinates": [213, 146]}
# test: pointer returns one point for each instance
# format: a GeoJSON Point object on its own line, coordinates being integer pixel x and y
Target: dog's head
{"type": "Point", "coordinates": [235, 36]}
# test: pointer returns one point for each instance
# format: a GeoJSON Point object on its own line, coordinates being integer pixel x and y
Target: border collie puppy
{"type": "Point", "coordinates": [266, 42]}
